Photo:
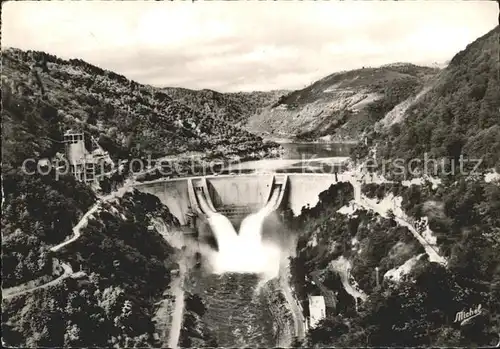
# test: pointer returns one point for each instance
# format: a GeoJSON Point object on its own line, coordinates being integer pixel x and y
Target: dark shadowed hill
{"type": "Point", "coordinates": [457, 114]}
{"type": "Point", "coordinates": [416, 309]}
{"type": "Point", "coordinates": [125, 264]}
{"type": "Point", "coordinates": [231, 107]}
{"type": "Point", "coordinates": [43, 94]}
{"type": "Point", "coordinates": [342, 105]}
{"type": "Point", "coordinates": [460, 114]}
{"type": "Point", "coordinates": [126, 269]}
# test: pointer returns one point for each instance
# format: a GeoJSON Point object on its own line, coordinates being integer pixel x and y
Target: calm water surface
{"type": "Point", "coordinates": [296, 151]}
{"type": "Point", "coordinates": [305, 157]}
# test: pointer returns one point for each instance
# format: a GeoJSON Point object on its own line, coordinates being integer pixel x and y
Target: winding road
{"type": "Point", "coordinates": [178, 291]}
{"type": "Point", "coordinates": [85, 219]}
{"type": "Point", "coordinates": [68, 271]}
{"type": "Point", "coordinates": [366, 203]}
{"type": "Point", "coordinates": [298, 317]}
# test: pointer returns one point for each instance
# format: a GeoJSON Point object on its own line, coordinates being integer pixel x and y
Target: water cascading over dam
{"type": "Point", "coordinates": [236, 195]}
{"type": "Point", "coordinates": [221, 226]}
{"type": "Point", "coordinates": [237, 313]}
{"type": "Point", "coordinates": [251, 227]}
{"type": "Point", "coordinates": [244, 252]}
{"type": "Point", "coordinates": [242, 213]}
{"type": "Point", "coordinates": [221, 203]}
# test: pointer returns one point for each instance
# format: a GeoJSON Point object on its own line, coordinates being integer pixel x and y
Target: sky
{"type": "Point", "coordinates": [245, 45]}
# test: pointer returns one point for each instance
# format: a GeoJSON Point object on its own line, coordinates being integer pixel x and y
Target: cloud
{"type": "Point", "coordinates": [233, 46]}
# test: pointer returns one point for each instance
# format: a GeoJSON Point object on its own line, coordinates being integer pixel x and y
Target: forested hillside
{"type": "Point", "coordinates": [127, 265]}
{"type": "Point", "coordinates": [234, 108]}
{"type": "Point", "coordinates": [43, 94]}
{"type": "Point", "coordinates": [419, 308]}
{"type": "Point", "coordinates": [459, 115]}
{"type": "Point", "coordinates": [38, 212]}
{"type": "Point", "coordinates": [343, 105]}
{"type": "Point", "coordinates": [126, 268]}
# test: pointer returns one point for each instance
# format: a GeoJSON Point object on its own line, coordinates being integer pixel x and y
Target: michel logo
{"type": "Point", "coordinates": [464, 316]}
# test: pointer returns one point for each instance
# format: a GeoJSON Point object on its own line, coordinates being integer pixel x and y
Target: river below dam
{"type": "Point", "coordinates": [237, 304]}
{"type": "Point", "coordinates": [236, 311]}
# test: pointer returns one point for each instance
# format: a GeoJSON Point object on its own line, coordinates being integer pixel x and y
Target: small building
{"type": "Point", "coordinates": [317, 310]}
{"type": "Point", "coordinates": [86, 167]}
{"type": "Point", "coordinates": [75, 146]}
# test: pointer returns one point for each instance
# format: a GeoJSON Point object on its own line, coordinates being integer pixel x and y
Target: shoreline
{"type": "Point", "coordinates": [293, 141]}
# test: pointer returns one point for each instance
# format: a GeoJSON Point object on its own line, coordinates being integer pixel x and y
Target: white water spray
{"type": "Point", "coordinates": [246, 252]}
{"type": "Point", "coordinates": [224, 231]}
{"type": "Point", "coordinates": [251, 227]}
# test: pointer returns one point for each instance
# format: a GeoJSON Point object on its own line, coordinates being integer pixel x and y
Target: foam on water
{"type": "Point", "coordinates": [258, 259]}
{"type": "Point", "coordinates": [245, 252]}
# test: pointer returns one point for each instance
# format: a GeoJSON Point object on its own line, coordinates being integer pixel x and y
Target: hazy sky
{"type": "Point", "coordinates": [242, 46]}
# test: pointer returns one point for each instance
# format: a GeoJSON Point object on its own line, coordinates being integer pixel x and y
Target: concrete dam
{"type": "Point", "coordinates": [234, 210]}
{"type": "Point", "coordinates": [237, 196]}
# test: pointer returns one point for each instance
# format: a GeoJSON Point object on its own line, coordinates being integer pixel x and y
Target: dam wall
{"type": "Point", "coordinates": [240, 190]}
{"type": "Point", "coordinates": [202, 184]}
{"type": "Point", "coordinates": [173, 194]}
{"type": "Point", "coordinates": [304, 189]}
{"type": "Point", "coordinates": [237, 195]}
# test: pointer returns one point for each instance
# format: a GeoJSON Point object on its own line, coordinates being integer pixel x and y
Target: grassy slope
{"type": "Point", "coordinates": [342, 104]}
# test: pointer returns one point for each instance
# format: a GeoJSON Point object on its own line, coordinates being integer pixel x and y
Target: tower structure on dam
{"type": "Point", "coordinates": [84, 166]}
{"type": "Point", "coordinates": [80, 166]}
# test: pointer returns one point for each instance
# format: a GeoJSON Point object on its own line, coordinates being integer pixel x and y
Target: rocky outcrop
{"type": "Point", "coordinates": [283, 324]}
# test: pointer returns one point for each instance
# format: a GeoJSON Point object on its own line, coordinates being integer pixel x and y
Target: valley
{"type": "Point", "coordinates": [292, 218]}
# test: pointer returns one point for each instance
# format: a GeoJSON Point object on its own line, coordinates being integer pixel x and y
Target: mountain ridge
{"type": "Point", "coordinates": [459, 115]}
{"type": "Point", "coordinates": [232, 107]}
{"type": "Point", "coordinates": [128, 118]}
{"type": "Point", "coordinates": [342, 105]}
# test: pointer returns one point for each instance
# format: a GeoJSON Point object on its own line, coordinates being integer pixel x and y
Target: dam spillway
{"type": "Point", "coordinates": [236, 196]}
{"type": "Point", "coordinates": [243, 262]}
